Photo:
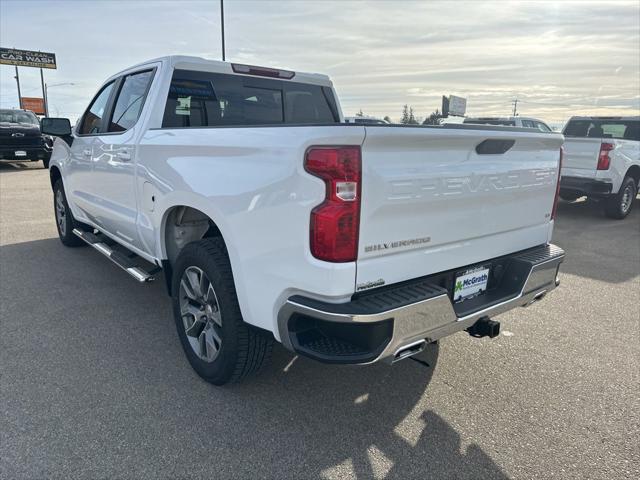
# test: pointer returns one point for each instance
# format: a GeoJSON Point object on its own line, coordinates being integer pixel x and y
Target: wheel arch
{"type": "Point", "coordinates": [183, 222]}
{"type": "Point", "coordinates": [54, 174]}
{"type": "Point", "coordinates": [634, 172]}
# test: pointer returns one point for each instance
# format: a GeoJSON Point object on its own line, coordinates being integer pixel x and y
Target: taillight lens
{"type": "Point", "coordinates": [336, 221]}
{"type": "Point", "coordinates": [604, 161]}
{"type": "Point", "coordinates": [555, 200]}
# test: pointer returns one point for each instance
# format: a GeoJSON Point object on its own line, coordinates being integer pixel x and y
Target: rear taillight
{"type": "Point", "coordinates": [336, 221]}
{"type": "Point", "coordinates": [555, 200]}
{"type": "Point", "coordinates": [604, 161]}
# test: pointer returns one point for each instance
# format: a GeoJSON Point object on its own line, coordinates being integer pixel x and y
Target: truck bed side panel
{"type": "Point", "coordinates": [252, 183]}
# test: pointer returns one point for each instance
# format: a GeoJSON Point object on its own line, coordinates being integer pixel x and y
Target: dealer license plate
{"type": "Point", "coordinates": [470, 283]}
{"type": "Point", "coordinates": [20, 153]}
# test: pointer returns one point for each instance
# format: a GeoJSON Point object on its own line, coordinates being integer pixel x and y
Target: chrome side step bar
{"type": "Point", "coordinates": [116, 257]}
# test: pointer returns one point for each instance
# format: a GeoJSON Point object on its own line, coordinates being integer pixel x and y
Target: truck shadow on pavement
{"type": "Point", "coordinates": [106, 391]}
{"type": "Point", "coordinates": [368, 422]}
{"type": "Point", "coordinates": [593, 241]}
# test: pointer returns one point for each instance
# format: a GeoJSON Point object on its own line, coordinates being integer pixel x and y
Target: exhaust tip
{"type": "Point", "coordinates": [409, 350]}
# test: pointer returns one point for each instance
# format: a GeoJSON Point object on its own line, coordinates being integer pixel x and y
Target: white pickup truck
{"type": "Point", "coordinates": [602, 161]}
{"type": "Point", "coordinates": [272, 219]}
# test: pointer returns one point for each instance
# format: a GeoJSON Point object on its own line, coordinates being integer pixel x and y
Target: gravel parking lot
{"type": "Point", "coordinates": [94, 383]}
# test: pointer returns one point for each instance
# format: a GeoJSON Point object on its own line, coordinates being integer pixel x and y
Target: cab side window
{"type": "Point", "coordinates": [130, 101]}
{"type": "Point", "coordinates": [527, 124]}
{"type": "Point", "coordinates": [92, 120]}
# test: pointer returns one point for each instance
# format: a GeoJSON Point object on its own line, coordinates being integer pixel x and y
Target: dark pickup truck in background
{"type": "Point", "coordinates": [21, 139]}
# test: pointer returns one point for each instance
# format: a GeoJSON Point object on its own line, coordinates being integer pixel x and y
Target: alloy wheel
{"type": "Point", "coordinates": [200, 312]}
{"type": "Point", "coordinates": [627, 198]}
{"type": "Point", "coordinates": [61, 213]}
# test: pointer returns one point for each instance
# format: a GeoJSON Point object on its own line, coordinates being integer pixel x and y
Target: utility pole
{"type": "Point", "coordinates": [222, 26]}
{"type": "Point", "coordinates": [515, 106]}
{"type": "Point", "coordinates": [17, 77]}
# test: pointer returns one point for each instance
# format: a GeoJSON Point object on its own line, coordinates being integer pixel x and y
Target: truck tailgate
{"type": "Point", "coordinates": [431, 202]}
{"type": "Point", "coordinates": [580, 156]}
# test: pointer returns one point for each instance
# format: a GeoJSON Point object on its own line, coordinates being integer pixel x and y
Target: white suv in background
{"type": "Point", "coordinates": [526, 122]}
{"type": "Point", "coordinates": [365, 120]}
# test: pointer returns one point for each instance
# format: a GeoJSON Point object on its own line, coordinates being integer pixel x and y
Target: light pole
{"type": "Point", "coordinates": [46, 95]}
{"type": "Point", "coordinates": [222, 26]}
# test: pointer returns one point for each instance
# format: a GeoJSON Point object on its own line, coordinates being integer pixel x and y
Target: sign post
{"type": "Point", "coordinates": [28, 58]}
{"type": "Point", "coordinates": [44, 95]}
{"type": "Point", "coordinates": [17, 77]}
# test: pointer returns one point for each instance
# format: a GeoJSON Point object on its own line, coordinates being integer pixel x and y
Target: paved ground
{"type": "Point", "coordinates": [94, 383]}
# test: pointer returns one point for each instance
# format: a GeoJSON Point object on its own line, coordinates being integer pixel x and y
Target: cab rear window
{"type": "Point", "coordinates": [202, 99]}
{"type": "Point", "coordinates": [620, 129]}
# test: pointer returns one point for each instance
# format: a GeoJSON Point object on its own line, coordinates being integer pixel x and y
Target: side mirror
{"type": "Point", "coordinates": [58, 127]}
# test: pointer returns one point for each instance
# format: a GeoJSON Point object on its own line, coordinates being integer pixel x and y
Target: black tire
{"type": "Point", "coordinates": [243, 350]}
{"type": "Point", "coordinates": [65, 223]}
{"type": "Point", "coordinates": [570, 197]}
{"type": "Point", "coordinates": [45, 163]}
{"type": "Point", "coordinates": [619, 205]}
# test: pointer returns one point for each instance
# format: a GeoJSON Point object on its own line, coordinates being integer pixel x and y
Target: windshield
{"type": "Point", "coordinates": [17, 116]}
{"type": "Point", "coordinates": [604, 128]}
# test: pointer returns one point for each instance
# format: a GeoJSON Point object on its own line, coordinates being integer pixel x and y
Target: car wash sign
{"type": "Point", "coordinates": [27, 58]}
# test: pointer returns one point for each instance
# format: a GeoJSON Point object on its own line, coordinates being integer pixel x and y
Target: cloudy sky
{"type": "Point", "coordinates": [559, 58]}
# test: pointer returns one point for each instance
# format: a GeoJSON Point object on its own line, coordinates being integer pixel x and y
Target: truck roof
{"type": "Point", "coordinates": [187, 62]}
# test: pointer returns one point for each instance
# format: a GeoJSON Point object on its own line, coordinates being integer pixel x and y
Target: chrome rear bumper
{"type": "Point", "coordinates": [399, 323]}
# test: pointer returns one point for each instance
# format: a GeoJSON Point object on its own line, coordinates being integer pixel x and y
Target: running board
{"type": "Point", "coordinates": [116, 257]}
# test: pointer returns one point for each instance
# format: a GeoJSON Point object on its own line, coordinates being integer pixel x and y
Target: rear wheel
{"type": "Point", "coordinates": [219, 345]}
{"type": "Point", "coordinates": [619, 205]}
{"type": "Point", "coordinates": [64, 218]}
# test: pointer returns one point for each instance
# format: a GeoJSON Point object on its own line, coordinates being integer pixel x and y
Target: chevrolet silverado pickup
{"type": "Point", "coordinates": [602, 161]}
{"type": "Point", "coordinates": [20, 137]}
{"type": "Point", "coordinates": [271, 219]}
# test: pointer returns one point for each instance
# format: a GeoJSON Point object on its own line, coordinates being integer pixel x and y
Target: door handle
{"type": "Point", "coordinates": [87, 152]}
{"type": "Point", "coordinates": [124, 156]}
